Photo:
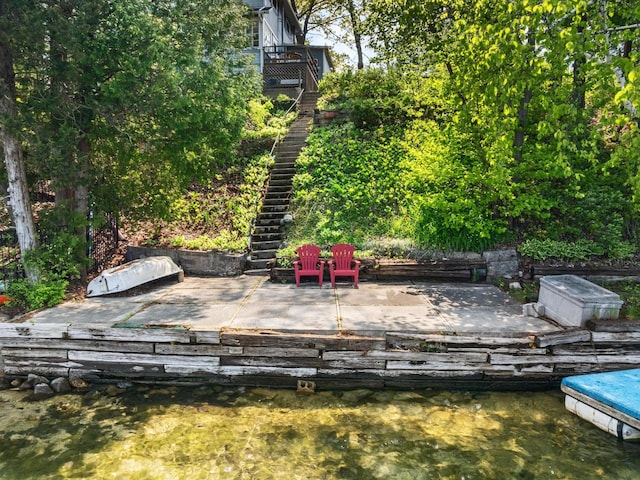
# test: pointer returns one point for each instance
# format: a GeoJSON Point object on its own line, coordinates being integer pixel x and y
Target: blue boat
{"type": "Point", "coordinates": [610, 400]}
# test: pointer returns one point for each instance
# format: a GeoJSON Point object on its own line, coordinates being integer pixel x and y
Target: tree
{"type": "Point", "coordinates": [124, 104]}
{"type": "Point", "coordinates": [342, 20]}
{"type": "Point", "coordinates": [19, 202]}
{"type": "Point", "coordinates": [543, 89]}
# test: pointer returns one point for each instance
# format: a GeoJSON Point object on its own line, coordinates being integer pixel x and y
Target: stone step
{"type": "Point", "coordinates": [283, 171]}
{"type": "Point", "coordinates": [281, 177]}
{"type": "Point", "coordinates": [279, 190]}
{"type": "Point", "coordinates": [280, 182]}
{"type": "Point", "coordinates": [278, 196]}
{"type": "Point", "coordinates": [263, 254]}
{"type": "Point", "coordinates": [266, 237]}
{"type": "Point", "coordinates": [275, 208]}
{"type": "Point", "coordinates": [268, 245]}
{"type": "Point", "coordinates": [261, 263]}
{"type": "Point", "coordinates": [267, 219]}
{"type": "Point", "coordinates": [274, 202]}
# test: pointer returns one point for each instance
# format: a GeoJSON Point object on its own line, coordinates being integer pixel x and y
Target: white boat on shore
{"type": "Point", "coordinates": [133, 274]}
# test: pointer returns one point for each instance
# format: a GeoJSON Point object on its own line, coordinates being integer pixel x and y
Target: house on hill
{"type": "Point", "coordinates": [286, 64]}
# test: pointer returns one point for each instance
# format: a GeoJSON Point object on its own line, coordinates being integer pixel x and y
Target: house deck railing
{"type": "Point", "coordinates": [290, 67]}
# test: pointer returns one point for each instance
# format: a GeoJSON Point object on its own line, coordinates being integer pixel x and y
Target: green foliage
{"type": "Point", "coordinates": [629, 292]}
{"type": "Point", "coordinates": [268, 121]}
{"type": "Point", "coordinates": [42, 294]}
{"type": "Point", "coordinates": [226, 206]}
{"type": "Point", "coordinates": [376, 97]}
{"type": "Point", "coordinates": [132, 100]}
{"type": "Point", "coordinates": [348, 181]}
{"type": "Point", "coordinates": [573, 251]}
{"type": "Point", "coordinates": [62, 250]}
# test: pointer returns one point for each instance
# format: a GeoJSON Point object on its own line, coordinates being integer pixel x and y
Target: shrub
{"type": "Point", "coordinates": [31, 296]}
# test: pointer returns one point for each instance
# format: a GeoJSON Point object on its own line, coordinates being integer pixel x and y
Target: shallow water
{"type": "Point", "coordinates": [211, 433]}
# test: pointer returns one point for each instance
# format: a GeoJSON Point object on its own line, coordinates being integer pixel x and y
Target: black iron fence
{"type": "Point", "coordinates": [10, 266]}
{"type": "Point", "coordinates": [102, 245]}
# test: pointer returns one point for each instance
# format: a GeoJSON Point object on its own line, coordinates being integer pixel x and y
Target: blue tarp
{"type": "Point", "coordinates": [619, 390]}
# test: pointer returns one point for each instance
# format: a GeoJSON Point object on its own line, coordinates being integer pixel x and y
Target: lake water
{"type": "Point", "coordinates": [214, 433]}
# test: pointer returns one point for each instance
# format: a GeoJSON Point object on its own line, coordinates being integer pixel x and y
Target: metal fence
{"type": "Point", "coordinates": [10, 266]}
{"type": "Point", "coordinates": [102, 244]}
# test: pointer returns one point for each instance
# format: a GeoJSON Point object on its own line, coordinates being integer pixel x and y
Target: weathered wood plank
{"type": "Point", "coordinates": [407, 355]}
{"type": "Point", "coordinates": [562, 337]}
{"type": "Point", "coordinates": [601, 350]}
{"type": "Point", "coordinates": [28, 330]}
{"type": "Point", "coordinates": [44, 353]}
{"type": "Point", "coordinates": [292, 372]}
{"type": "Point", "coordinates": [534, 370]}
{"type": "Point", "coordinates": [39, 362]}
{"type": "Point", "coordinates": [206, 336]}
{"type": "Point", "coordinates": [270, 361]}
{"type": "Point", "coordinates": [134, 347]}
{"type": "Point", "coordinates": [197, 349]}
{"type": "Point", "coordinates": [615, 337]}
{"type": "Point", "coordinates": [614, 325]}
{"type": "Point", "coordinates": [521, 351]}
{"type": "Point", "coordinates": [319, 342]}
{"type": "Point", "coordinates": [125, 370]}
{"type": "Point", "coordinates": [433, 365]}
{"type": "Point", "coordinates": [500, 359]}
{"type": "Point", "coordinates": [142, 359]}
{"type": "Point", "coordinates": [20, 370]}
{"type": "Point", "coordinates": [131, 334]}
{"type": "Point", "coordinates": [281, 352]}
{"type": "Point", "coordinates": [626, 359]}
{"type": "Point", "coordinates": [577, 368]}
{"type": "Point", "coordinates": [458, 340]}
{"type": "Point", "coordinates": [362, 363]}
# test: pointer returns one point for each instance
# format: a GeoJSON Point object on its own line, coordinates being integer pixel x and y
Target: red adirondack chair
{"type": "Point", "coordinates": [309, 264]}
{"type": "Point", "coordinates": [342, 264]}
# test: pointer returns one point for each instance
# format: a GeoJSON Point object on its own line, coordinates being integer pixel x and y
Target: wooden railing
{"type": "Point", "coordinates": [290, 67]}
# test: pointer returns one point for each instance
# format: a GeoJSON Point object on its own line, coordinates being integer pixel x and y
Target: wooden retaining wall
{"type": "Point", "coordinates": [268, 358]}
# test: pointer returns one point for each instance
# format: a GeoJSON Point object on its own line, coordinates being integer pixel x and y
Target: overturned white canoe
{"type": "Point", "coordinates": [132, 274]}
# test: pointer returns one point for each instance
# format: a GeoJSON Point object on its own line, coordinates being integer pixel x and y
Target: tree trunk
{"type": "Point", "coordinates": [357, 36]}
{"type": "Point", "coordinates": [523, 112]}
{"type": "Point", "coordinates": [19, 202]}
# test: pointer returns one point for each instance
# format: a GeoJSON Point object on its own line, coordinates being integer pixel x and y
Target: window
{"type": "Point", "coordinates": [254, 32]}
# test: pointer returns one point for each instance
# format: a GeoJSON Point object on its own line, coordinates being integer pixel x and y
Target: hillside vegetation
{"type": "Point", "coordinates": [405, 164]}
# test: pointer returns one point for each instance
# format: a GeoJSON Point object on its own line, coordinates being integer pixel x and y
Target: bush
{"type": "Point", "coordinates": [31, 296]}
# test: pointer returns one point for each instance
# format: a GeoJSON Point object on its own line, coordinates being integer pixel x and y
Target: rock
{"type": "Point", "coordinates": [26, 385]}
{"type": "Point", "coordinates": [78, 382]}
{"type": "Point", "coordinates": [42, 391]}
{"type": "Point", "coordinates": [37, 379]}
{"type": "Point", "coordinates": [113, 391]}
{"type": "Point", "coordinates": [60, 385]}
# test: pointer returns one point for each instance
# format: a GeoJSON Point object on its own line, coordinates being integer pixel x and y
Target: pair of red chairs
{"type": "Point", "coordinates": [341, 265]}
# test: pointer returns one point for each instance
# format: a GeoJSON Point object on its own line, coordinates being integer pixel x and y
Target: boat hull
{"type": "Point", "coordinates": [133, 274]}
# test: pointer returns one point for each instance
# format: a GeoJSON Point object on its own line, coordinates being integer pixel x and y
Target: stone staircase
{"type": "Point", "coordinates": [267, 235]}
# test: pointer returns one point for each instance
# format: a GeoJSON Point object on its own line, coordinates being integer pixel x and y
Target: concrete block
{"type": "Point", "coordinates": [572, 301]}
